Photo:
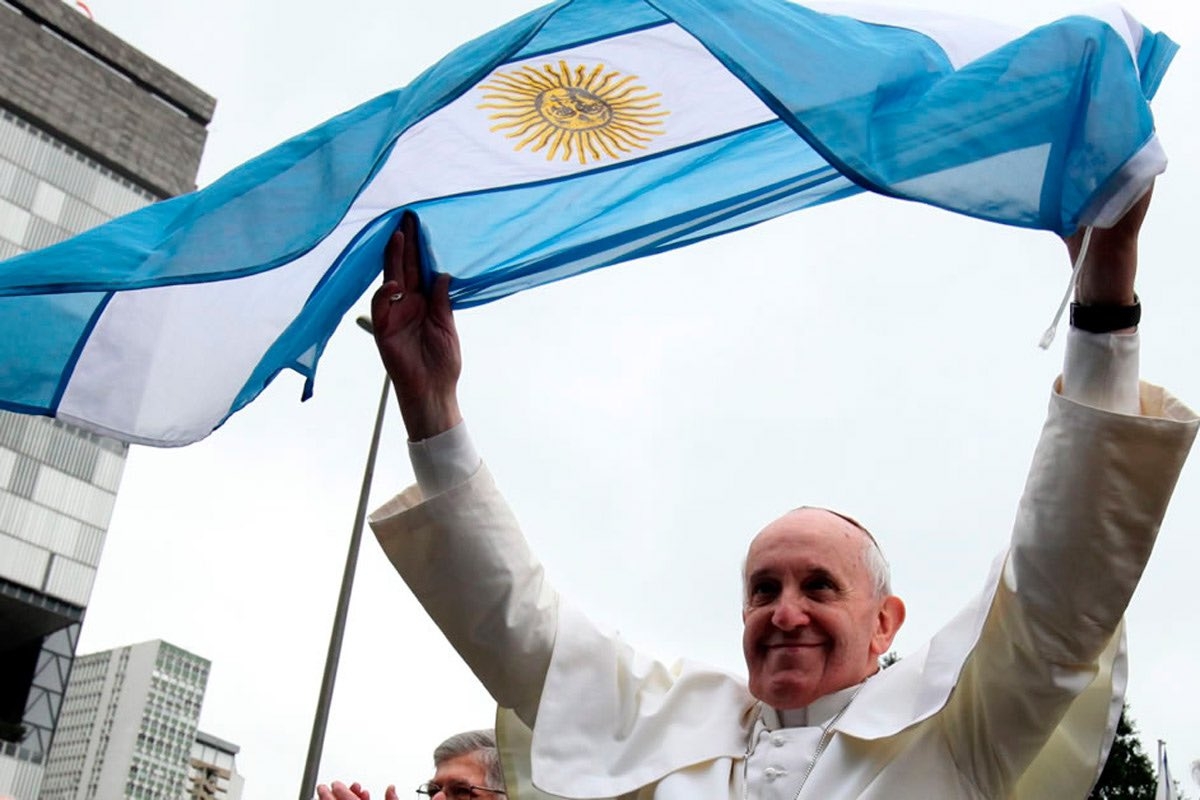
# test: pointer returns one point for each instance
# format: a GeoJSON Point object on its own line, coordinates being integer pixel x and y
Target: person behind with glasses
{"type": "Point", "coordinates": [466, 767]}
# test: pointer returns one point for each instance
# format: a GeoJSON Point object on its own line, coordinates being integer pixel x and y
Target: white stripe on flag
{"type": "Point", "coordinates": [449, 152]}
{"type": "Point", "coordinates": [455, 149]}
{"type": "Point", "coordinates": [196, 346]}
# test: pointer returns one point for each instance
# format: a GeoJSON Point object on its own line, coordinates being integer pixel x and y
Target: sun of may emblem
{"type": "Point", "coordinates": [572, 112]}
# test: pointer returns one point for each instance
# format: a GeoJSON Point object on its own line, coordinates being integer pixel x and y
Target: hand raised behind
{"type": "Point", "coordinates": [339, 791]}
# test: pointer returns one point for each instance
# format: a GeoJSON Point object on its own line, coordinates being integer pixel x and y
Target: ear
{"type": "Point", "coordinates": [887, 624]}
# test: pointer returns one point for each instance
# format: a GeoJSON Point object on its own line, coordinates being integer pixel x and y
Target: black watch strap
{"type": "Point", "coordinates": [1105, 318]}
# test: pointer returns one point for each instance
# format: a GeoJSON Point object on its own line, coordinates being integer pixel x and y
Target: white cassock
{"type": "Point", "coordinates": [1018, 696]}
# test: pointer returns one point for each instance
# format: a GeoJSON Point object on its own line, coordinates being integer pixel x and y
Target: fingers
{"type": "Point", "coordinates": [402, 279]}
{"type": "Point", "coordinates": [402, 255]}
{"type": "Point", "coordinates": [411, 253]}
{"type": "Point", "coordinates": [393, 257]}
{"type": "Point", "coordinates": [339, 791]}
{"type": "Point", "coordinates": [381, 303]}
{"type": "Point", "coordinates": [391, 794]}
{"type": "Point", "coordinates": [440, 300]}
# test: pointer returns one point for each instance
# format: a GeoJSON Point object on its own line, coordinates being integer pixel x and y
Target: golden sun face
{"type": "Point", "coordinates": [571, 112]}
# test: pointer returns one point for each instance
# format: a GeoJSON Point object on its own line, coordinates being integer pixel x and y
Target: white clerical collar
{"type": "Point", "coordinates": [819, 713]}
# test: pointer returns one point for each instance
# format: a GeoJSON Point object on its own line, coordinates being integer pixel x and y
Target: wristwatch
{"type": "Point", "coordinates": [1105, 318]}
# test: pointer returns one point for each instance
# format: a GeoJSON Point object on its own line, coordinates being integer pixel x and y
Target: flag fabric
{"type": "Point", "coordinates": [585, 133]}
{"type": "Point", "coordinates": [1166, 787]}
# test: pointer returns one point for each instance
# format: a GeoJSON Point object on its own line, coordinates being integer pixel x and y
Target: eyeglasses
{"type": "Point", "coordinates": [455, 791]}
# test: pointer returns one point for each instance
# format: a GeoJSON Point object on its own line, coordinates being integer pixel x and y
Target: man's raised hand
{"type": "Point", "coordinates": [1110, 265]}
{"type": "Point", "coordinates": [415, 333]}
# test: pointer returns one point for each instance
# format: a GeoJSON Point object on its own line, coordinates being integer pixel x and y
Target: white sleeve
{"type": "Point", "coordinates": [1101, 370]}
{"type": "Point", "coordinates": [444, 461]}
{"type": "Point", "coordinates": [462, 554]}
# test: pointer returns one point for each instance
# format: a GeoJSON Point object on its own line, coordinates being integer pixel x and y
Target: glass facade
{"type": "Point", "coordinates": [49, 192]}
{"type": "Point", "coordinates": [86, 124]}
{"type": "Point", "coordinates": [57, 490]}
{"type": "Point", "coordinates": [168, 727]}
{"type": "Point", "coordinates": [57, 484]}
{"type": "Point", "coordinates": [128, 725]}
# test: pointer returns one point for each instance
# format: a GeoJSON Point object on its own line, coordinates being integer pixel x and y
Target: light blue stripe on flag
{"type": "Point", "coordinates": [586, 133]}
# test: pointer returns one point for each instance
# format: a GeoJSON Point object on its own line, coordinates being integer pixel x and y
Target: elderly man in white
{"type": "Point", "coordinates": [1017, 696]}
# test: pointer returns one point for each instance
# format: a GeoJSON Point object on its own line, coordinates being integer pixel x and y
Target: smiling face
{"type": "Point", "coordinates": [814, 622]}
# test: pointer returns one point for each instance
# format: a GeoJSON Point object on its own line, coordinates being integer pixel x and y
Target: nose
{"type": "Point", "coordinates": [791, 611]}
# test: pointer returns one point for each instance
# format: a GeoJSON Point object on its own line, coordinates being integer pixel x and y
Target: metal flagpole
{"type": "Point", "coordinates": [316, 743]}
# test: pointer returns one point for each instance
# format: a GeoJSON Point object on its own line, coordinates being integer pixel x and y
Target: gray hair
{"type": "Point", "coordinates": [482, 745]}
{"type": "Point", "coordinates": [872, 556]}
{"type": "Point", "coordinates": [877, 566]}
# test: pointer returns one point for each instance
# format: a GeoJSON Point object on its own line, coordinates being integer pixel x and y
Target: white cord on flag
{"type": "Point", "coordinates": [1048, 336]}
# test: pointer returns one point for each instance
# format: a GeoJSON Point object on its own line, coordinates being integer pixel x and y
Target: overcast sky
{"type": "Point", "coordinates": [644, 420]}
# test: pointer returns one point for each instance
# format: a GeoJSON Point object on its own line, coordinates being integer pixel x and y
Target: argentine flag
{"type": "Point", "coordinates": [585, 133]}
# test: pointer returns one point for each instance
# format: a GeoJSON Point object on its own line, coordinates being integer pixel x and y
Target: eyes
{"type": "Point", "coordinates": [818, 585]}
{"type": "Point", "coordinates": [455, 791]}
{"type": "Point", "coordinates": [820, 582]}
{"type": "Point", "coordinates": [762, 590]}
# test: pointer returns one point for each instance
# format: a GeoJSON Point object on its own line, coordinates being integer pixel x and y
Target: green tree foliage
{"type": "Point", "coordinates": [1128, 774]}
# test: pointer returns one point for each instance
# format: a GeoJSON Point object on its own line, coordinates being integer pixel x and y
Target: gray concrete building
{"type": "Point", "coordinates": [128, 725]}
{"type": "Point", "coordinates": [90, 128]}
{"type": "Point", "coordinates": [87, 89]}
{"type": "Point", "coordinates": [212, 770]}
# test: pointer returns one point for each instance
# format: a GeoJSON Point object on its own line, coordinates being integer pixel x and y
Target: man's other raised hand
{"type": "Point", "coordinates": [1110, 265]}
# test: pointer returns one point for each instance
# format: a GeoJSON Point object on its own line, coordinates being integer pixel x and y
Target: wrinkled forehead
{"type": "Point", "coordinates": [464, 768]}
{"type": "Point", "coordinates": [818, 529]}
